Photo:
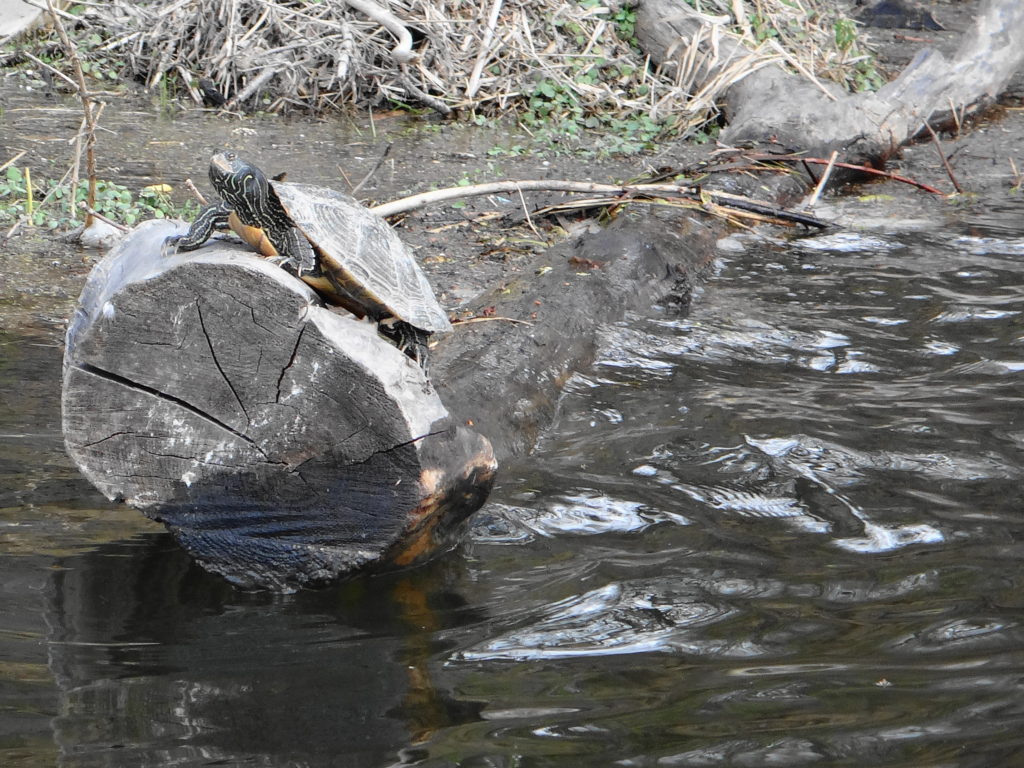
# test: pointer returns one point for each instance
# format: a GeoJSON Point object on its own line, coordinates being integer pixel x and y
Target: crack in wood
{"type": "Point", "coordinates": [291, 361]}
{"type": "Point", "coordinates": [395, 447]}
{"type": "Point", "coordinates": [108, 437]}
{"type": "Point", "coordinates": [126, 382]}
{"type": "Point", "coordinates": [216, 362]}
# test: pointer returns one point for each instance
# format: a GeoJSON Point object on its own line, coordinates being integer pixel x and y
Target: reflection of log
{"type": "Point", "coordinates": [772, 106]}
{"type": "Point", "coordinates": [149, 652]}
{"type": "Point", "coordinates": [282, 443]}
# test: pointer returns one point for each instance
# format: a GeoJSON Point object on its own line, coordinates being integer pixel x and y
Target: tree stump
{"type": "Point", "coordinates": [284, 444]}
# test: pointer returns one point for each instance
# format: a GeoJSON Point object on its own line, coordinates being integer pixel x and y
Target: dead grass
{"type": "Point", "coordinates": [490, 57]}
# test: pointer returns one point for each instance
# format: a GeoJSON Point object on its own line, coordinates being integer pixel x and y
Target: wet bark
{"type": "Point", "coordinates": [777, 110]}
{"type": "Point", "coordinates": [505, 377]}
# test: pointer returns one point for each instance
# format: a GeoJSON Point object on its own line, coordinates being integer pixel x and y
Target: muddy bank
{"type": "Point", "coordinates": [466, 248]}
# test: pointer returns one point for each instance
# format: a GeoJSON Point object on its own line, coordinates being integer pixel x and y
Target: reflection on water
{"type": "Point", "coordinates": [783, 530]}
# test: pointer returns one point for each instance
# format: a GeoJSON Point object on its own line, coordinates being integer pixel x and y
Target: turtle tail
{"type": "Point", "coordinates": [408, 338]}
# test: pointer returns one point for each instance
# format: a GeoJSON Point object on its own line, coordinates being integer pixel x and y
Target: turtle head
{"type": "Point", "coordinates": [240, 184]}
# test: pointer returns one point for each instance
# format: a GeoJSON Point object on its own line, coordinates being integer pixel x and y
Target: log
{"type": "Point", "coordinates": [505, 378]}
{"type": "Point", "coordinates": [282, 443]}
{"type": "Point", "coordinates": [287, 445]}
{"type": "Point", "coordinates": [776, 109]}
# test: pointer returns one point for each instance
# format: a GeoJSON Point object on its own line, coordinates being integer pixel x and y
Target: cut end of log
{"type": "Point", "coordinates": [284, 444]}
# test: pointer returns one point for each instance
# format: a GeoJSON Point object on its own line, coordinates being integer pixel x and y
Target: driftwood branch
{"type": "Point", "coordinates": [859, 169]}
{"type": "Point", "coordinates": [688, 191]}
{"type": "Point", "coordinates": [401, 53]}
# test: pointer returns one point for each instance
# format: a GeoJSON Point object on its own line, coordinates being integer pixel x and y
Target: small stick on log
{"type": "Point", "coordinates": [104, 219]}
{"type": "Point", "coordinates": [943, 158]}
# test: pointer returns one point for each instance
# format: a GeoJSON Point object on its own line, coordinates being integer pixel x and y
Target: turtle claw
{"type": "Point", "coordinates": [287, 263]}
{"type": "Point", "coordinates": [292, 265]}
{"type": "Point", "coordinates": [170, 246]}
{"type": "Point", "coordinates": [306, 264]}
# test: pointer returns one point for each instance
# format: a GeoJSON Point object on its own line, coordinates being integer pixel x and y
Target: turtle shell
{"type": "Point", "coordinates": [362, 263]}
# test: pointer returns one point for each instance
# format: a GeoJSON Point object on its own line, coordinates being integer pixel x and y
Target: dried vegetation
{"type": "Point", "coordinates": [550, 61]}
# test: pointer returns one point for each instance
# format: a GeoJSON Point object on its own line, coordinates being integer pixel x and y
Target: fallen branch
{"type": "Point", "coordinates": [687, 191]}
{"type": "Point", "coordinates": [401, 53]}
{"type": "Point", "coordinates": [481, 319]}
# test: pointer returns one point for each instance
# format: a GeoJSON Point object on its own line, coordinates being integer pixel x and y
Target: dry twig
{"type": "Point", "coordinates": [89, 117]}
{"type": "Point", "coordinates": [820, 186]}
{"type": "Point", "coordinates": [763, 157]}
{"type": "Point", "coordinates": [623, 193]}
{"type": "Point", "coordinates": [943, 158]}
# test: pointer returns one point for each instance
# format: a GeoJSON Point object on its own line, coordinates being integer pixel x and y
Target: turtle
{"type": "Point", "coordinates": [345, 252]}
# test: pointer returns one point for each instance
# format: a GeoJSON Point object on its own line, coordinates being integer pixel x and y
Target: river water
{"type": "Point", "coordinates": [785, 529]}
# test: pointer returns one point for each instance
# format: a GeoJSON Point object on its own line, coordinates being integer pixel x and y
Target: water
{"type": "Point", "coordinates": [784, 530]}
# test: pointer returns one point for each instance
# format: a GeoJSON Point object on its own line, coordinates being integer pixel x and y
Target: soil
{"type": "Point", "coordinates": [465, 248]}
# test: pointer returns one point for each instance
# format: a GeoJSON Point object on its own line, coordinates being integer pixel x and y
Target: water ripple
{"type": "Point", "coordinates": [962, 634]}
{"type": "Point", "coordinates": [620, 618]}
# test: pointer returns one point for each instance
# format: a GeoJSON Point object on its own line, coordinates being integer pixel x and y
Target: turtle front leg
{"type": "Point", "coordinates": [294, 250]}
{"type": "Point", "coordinates": [210, 218]}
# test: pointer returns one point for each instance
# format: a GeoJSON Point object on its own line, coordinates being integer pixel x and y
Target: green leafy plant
{"type": "Point", "coordinates": [21, 194]}
{"type": "Point", "coordinates": [623, 17]}
{"type": "Point", "coordinates": [557, 116]}
{"type": "Point", "coordinates": [845, 32]}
